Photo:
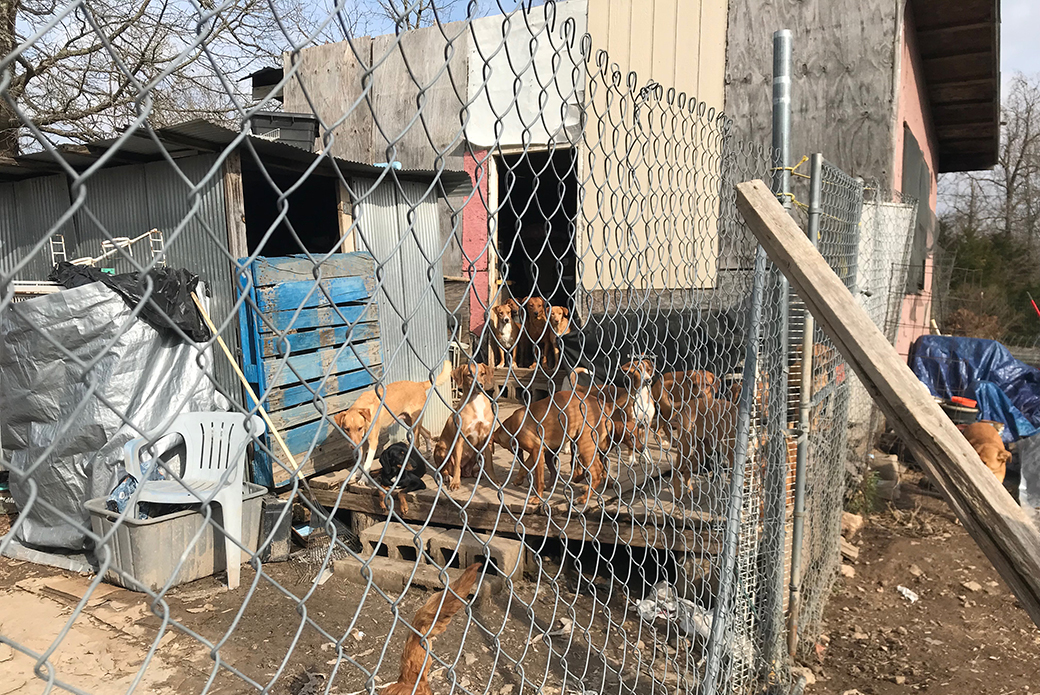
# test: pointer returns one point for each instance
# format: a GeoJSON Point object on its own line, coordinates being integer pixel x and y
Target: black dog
{"type": "Point", "coordinates": [393, 458]}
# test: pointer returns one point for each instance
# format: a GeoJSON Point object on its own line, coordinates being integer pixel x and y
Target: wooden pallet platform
{"type": "Point", "coordinates": [635, 507]}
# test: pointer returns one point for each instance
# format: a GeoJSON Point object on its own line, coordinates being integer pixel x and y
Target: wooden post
{"type": "Point", "coordinates": [999, 526]}
{"type": "Point", "coordinates": [345, 210]}
{"type": "Point", "coordinates": [235, 208]}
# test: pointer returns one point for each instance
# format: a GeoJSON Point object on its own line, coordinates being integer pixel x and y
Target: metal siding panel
{"type": "Point", "coordinates": [200, 243]}
{"type": "Point", "coordinates": [378, 234]}
{"type": "Point", "coordinates": [130, 200]}
{"type": "Point", "coordinates": [117, 199]}
{"type": "Point", "coordinates": [424, 288]}
{"type": "Point", "coordinates": [411, 305]}
{"type": "Point", "coordinates": [29, 211]}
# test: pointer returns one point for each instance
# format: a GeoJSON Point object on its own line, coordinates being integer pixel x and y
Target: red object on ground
{"type": "Point", "coordinates": [966, 402]}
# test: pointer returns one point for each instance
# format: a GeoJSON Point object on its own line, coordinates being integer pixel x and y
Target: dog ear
{"type": "Point", "coordinates": [566, 311]}
{"type": "Point", "coordinates": [486, 375]}
{"type": "Point", "coordinates": [365, 412]}
{"type": "Point", "coordinates": [1004, 456]}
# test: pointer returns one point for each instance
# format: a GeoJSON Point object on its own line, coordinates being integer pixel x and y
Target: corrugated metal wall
{"type": "Point", "coordinates": [29, 211]}
{"type": "Point", "coordinates": [412, 318]}
{"type": "Point", "coordinates": [130, 200]}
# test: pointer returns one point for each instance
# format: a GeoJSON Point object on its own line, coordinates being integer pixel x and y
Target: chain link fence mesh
{"type": "Point", "coordinates": [827, 386]}
{"type": "Point", "coordinates": [482, 348]}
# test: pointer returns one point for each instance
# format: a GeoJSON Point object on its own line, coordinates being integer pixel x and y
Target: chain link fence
{"type": "Point", "coordinates": [465, 341]}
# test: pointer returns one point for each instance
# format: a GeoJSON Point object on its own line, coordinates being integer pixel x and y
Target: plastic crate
{"type": "Point", "coordinates": [150, 550]}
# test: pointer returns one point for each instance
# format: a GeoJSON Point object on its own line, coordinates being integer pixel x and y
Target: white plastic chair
{"type": "Point", "coordinates": [213, 443]}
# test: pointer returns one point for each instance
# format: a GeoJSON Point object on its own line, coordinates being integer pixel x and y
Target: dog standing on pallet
{"type": "Point", "coordinates": [505, 333]}
{"type": "Point", "coordinates": [630, 410]}
{"type": "Point", "coordinates": [374, 411]}
{"type": "Point", "coordinates": [534, 327]}
{"type": "Point", "coordinates": [542, 429]}
{"type": "Point", "coordinates": [467, 433]}
{"type": "Point", "coordinates": [559, 325]}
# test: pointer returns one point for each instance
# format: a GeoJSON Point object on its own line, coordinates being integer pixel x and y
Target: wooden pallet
{"type": "Point", "coordinates": [634, 507]}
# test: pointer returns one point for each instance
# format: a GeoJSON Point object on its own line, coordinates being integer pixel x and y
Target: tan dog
{"type": "Point", "coordinates": [672, 391]}
{"type": "Point", "coordinates": [986, 442]}
{"type": "Point", "coordinates": [704, 425]}
{"type": "Point", "coordinates": [559, 324]}
{"type": "Point", "coordinates": [467, 433]}
{"type": "Point", "coordinates": [542, 429]}
{"type": "Point", "coordinates": [534, 326]}
{"type": "Point", "coordinates": [402, 402]}
{"type": "Point", "coordinates": [505, 333]}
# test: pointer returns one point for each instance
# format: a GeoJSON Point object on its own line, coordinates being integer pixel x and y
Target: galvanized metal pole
{"type": "Point", "coordinates": [782, 115]}
{"type": "Point", "coordinates": [720, 633]}
{"type": "Point", "coordinates": [775, 368]}
{"type": "Point", "coordinates": [804, 407]}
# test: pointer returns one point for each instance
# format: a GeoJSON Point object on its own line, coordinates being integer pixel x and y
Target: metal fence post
{"type": "Point", "coordinates": [804, 402]}
{"type": "Point", "coordinates": [735, 498]}
{"type": "Point", "coordinates": [775, 367]}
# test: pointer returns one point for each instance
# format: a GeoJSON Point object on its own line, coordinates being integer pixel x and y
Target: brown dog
{"type": "Point", "coordinates": [402, 401]}
{"type": "Point", "coordinates": [672, 391]}
{"type": "Point", "coordinates": [505, 333]}
{"type": "Point", "coordinates": [467, 433]}
{"type": "Point", "coordinates": [534, 326]}
{"type": "Point", "coordinates": [431, 620]}
{"type": "Point", "coordinates": [559, 324]}
{"type": "Point", "coordinates": [705, 425]}
{"type": "Point", "coordinates": [986, 442]}
{"type": "Point", "coordinates": [542, 429]}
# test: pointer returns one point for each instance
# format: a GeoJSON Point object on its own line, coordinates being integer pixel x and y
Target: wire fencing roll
{"type": "Point", "coordinates": [479, 321]}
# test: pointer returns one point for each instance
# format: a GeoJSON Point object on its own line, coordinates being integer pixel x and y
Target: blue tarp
{"type": "Point", "coordinates": [1006, 389]}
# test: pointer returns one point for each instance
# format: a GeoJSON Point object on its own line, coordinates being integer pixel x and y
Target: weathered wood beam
{"type": "Point", "coordinates": [999, 526]}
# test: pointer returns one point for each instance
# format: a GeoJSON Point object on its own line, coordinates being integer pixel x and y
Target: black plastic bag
{"type": "Point", "coordinates": [170, 303]}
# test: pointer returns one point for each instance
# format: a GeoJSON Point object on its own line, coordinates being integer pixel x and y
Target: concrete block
{"type": "Point", "coordinates": [396, 576]}
{"type": "Point", "coordinates": [391, 540]}
{"type": "Point", "coordinates": [461, 548]}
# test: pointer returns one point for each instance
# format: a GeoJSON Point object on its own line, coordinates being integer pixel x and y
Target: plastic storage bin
{"type": "Point", "coordinates": [150, 550]}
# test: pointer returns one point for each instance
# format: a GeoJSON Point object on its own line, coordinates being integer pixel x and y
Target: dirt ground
{"type": "Point", "coordinates": [268, 636]}
{"type": "Point", "coordinates": [965, 634]}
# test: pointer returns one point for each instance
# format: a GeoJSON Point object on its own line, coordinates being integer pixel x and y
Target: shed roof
{"type": "Point", "coordinates": [959, 43]}
{"type": "Point", "coordinates": [202, 136]}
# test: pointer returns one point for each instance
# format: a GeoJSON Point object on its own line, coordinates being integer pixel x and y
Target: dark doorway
{"type": "Point", "coordinates": [312, 211]}
{"type": "Point", "coordinates": [538, 198]}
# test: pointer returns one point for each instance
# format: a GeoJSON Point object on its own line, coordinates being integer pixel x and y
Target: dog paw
{"type": "Point", "coordinates": [454, 485]}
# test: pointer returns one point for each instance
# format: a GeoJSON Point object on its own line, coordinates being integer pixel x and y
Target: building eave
{"type": "Point", "coordinates": [959, 44]}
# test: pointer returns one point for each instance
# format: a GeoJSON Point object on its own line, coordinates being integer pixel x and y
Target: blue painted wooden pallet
{"type": "Point", "coordinates": [310, 349]}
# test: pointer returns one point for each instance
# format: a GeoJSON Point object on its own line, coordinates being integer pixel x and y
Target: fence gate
{"type": "Point", "coordinates": [333, 350]}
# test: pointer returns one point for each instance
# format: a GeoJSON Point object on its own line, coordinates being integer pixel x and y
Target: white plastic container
{"type": "Point", "coordinates": [150, 550]}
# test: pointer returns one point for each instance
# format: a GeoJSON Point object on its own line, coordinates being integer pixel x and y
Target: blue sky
{"type": "Point", "coordinates": [1019, 31]}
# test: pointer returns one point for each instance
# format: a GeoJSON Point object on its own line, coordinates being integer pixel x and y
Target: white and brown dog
{"type": "Point", "coordinates": [467, 433]}
{"type": "Point", "coordinates": [505, 333]}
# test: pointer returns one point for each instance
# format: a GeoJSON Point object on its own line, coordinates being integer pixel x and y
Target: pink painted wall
{"type": "Point", "coordinates": [912, 111]}
{"type": "Point", "coordinates": [475, 239]}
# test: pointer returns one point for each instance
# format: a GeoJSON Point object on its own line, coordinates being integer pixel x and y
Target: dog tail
{"type": "Point", "coordinates": [430, 621]}
{"type": "Point", "coordinates": [445, 374]}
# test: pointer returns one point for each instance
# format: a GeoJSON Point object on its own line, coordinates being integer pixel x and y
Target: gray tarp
{"type": "Point", "coordinates": [47, 398]}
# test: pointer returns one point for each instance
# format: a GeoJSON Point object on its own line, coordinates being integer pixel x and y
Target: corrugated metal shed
{"type": "Point", "coordinates": [29, 214]}
{"type": "Point", "coordinates": [128, 201]}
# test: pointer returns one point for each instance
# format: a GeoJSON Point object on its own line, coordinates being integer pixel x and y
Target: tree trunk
{"type": "Point", "coordinates": [9, 124]}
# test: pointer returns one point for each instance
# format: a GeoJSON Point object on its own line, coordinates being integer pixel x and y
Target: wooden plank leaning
{"type": "Point", "coordinates": [1000, 527]}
